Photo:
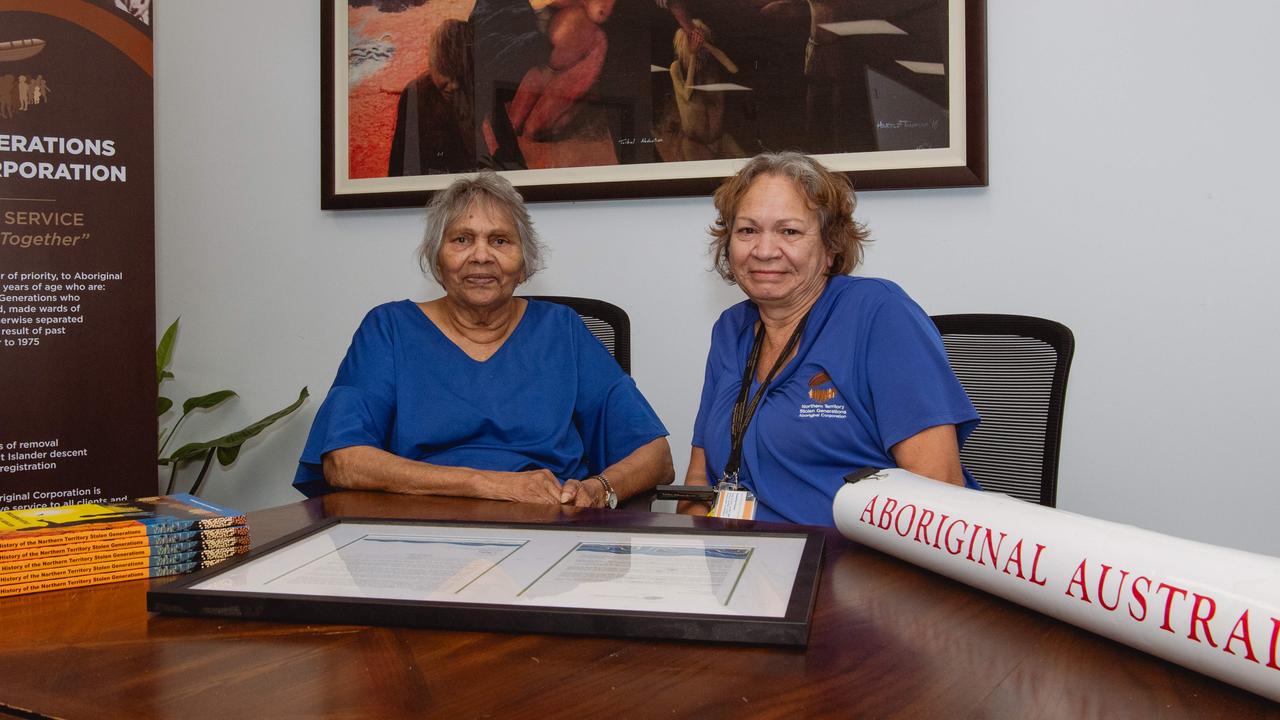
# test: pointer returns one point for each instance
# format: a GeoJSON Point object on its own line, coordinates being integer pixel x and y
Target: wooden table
{"type": "Point", "coordinates": [888, 640]}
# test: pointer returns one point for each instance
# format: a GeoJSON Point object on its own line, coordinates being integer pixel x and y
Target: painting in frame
{"type": "Point", "coordinates": [592, 99]}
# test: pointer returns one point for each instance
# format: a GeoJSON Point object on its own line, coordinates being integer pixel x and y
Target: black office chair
{"type": "Point", "coordinates": [1014, 369]}
{"type": "Point", "coordinates": [608, 322]}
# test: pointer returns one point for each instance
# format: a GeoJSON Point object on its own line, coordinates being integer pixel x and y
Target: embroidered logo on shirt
{"type": "Point", "coordinates": [820, 388]}
{"type": "Point", "coordinates": [822, 391]}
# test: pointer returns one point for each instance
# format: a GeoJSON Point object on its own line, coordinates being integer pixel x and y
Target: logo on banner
{"type": "Point", "coordinates": [21, 92]}
{"type": "Point", "coordinates": [139, 9]}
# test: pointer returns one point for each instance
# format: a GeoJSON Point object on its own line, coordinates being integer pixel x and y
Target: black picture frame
{"type": "Point", "coordinates": [182, 598]}
{"type": "Point", "coordinates": [963, 162]}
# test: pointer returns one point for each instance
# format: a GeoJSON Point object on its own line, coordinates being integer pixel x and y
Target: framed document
{"type": "Point", "coordinates": [727, 586]}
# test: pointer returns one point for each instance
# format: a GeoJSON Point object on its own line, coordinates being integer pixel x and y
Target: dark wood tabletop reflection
{"type": "Point", "coordinates": [888, 640]}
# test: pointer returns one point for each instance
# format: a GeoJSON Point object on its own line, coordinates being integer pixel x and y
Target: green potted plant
{"type": "Point", "coordinates": [226, 448]}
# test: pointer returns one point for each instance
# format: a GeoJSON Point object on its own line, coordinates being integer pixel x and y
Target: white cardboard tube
{"type": "Point", "coordinates": [1212, 609]}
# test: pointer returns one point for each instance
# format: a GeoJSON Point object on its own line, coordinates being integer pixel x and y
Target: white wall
{"type": "Point", "coordinates": [1132, 153]}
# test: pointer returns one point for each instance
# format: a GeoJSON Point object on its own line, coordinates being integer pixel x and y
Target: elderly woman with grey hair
{"type": "Point", "coordinates": [479, 393]}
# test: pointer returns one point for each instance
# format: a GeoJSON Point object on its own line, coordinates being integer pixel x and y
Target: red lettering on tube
{"type": "Point", "coordinates": [897, 520]}
{"type": "Point", "coordinates": [868, 515]}
{"type": "Point", "coordinates": [1168, 602]}
{"type": "Point", "coordinates": [937, 535]}
{"type": "Point", "coordinates": [1078, 578]}
{"type": "Point", "coordinates": [926, 517]}
{"type": "Point", "coordinates": [1196, 617]}
{"type": "Point", "coordinates": [1102, 583]}
{"type": "Point", "coordinates": [1275, 635]}
{"type": "Point", "coordinates": [886, 513]}
{"type": "Point", "coordinates": [1140, 597]}
{"type": "Point", "coordinates": [947, 540]}
{"type": "Point", "coordinates": [1240, 631]}
{"type": "Point", "coordinates": [1015, 556]}
{"type": "Point", "coordinates": [991, 547]}
{"type": "Point", "coordinates": [1035, 563]}
{"type": "Point", "coordinates": [972, 538]}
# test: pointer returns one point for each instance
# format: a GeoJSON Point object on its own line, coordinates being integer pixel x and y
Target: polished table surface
{"type": "Point", "coordinates": [888, 640]}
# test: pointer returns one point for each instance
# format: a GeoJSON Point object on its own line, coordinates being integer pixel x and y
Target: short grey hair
{"type": "Point", "coordinates": [448, 205]}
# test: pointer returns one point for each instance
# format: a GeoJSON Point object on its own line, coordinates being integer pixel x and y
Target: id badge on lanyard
{"type": "Point", "coordinates": [733, 501]}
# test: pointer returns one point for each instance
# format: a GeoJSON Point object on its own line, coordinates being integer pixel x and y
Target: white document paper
{"type": "Point", "coordinates": [704, 573]}
{"type": "Point", "coordinates": [420, 565]}
{"type": "Point", "coordinates": [694, 576]}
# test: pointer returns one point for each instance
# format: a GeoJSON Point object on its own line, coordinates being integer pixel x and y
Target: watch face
{"type": "Point", "coordinates": [612, 500]}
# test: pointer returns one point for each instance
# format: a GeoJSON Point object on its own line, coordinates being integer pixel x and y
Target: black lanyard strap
{"type": "Point", "coordinates": [743, 412]}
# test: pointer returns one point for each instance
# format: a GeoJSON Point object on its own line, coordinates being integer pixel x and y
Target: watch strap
{"type": "Point", "coordinates": [610, 497]}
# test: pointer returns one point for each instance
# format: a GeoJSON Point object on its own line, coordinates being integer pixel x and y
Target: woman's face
{"type": "Point", "coordinates": [776, 251]}
{"type": "Point", "coordinates": [447, 84]}
{"type": "Point", "coordinates": [481, 261]}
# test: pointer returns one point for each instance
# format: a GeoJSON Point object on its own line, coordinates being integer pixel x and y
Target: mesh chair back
{"type": "Point", "coordinates": [608, 322]}
{"type": "Point", "coordinates": [1014, 369]}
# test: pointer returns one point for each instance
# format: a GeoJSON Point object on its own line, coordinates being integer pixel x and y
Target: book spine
{"type": "Point", "coordinates": [220, 537]}
{"type": "Point", "coordinates": [158, 555]}
{"type": "Point", "coordinates": [95, 579]}
{"type": "Point", "coordinates": [225, 537]}
{"type": "Point", "coordinates": [72, 548]}
{"type": "Point", "coordinates": [146, 563]}
{"type": "Point", "coordinates": [220, 522]}
{"type": "Point", "coordinates": [100, 532]}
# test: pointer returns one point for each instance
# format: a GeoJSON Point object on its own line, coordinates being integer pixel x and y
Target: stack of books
{"type": "Point", "coordinates": [55, 548]}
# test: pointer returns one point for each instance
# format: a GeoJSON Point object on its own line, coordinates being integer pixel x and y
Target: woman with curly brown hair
{"type": "Point", "coordinates": [817, 373]}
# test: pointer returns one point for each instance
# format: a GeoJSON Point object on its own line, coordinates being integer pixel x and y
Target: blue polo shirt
{"type": "Point", "coordinates": [870, 372]}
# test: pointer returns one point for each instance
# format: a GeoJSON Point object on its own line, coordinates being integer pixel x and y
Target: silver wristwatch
{"type": "Point", "coordinates": [610, 497]}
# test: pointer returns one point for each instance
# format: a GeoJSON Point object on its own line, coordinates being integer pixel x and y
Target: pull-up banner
{"type": "Point", "coordinates": [77, 252]}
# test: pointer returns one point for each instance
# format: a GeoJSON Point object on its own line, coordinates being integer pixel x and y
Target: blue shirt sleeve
{"type": "Point", "coordinates": [611, 415]}
{"type": "Point", "coordinates": [360, 407]}
{"type": "Point", "coordinates": [704, 404]}
{"type": "Point", "coordinates": [912, 383]}
{"type": "Point", "coordinates": [722, 360]}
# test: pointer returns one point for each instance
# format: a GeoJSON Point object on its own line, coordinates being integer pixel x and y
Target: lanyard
{"type": "Point", "coordinates": [742, 412]}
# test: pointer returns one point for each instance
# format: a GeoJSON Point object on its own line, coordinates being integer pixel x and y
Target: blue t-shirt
{"type": "Point", "coordinates": [870, 371]}
{"type": "Point", "coordinates": [551, 397]}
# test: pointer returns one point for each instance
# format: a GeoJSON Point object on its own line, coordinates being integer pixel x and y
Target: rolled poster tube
{"type": "Point", "coordinates": [1208, 608]}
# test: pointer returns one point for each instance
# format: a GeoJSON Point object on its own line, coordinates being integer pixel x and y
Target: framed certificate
{"type": "Point", "coordinates": [753, 587]}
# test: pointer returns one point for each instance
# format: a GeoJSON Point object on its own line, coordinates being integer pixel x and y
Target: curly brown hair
{"type": "Point", "coordinates": [831, 194]}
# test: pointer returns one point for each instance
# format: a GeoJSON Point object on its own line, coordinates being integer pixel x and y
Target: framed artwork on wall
{"type": "Point", "coordinates": [590, 99]}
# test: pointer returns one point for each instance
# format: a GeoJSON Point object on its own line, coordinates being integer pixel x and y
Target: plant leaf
{"type": "Point", "coordinates": [166, 375]}
{"type": "Point", "coordinates": [164, 351]}
{"type": "Point", "coordinates": [235, 439]}
{"type": "Point", "coordinates": [206, 402]}
{"type": "Point", "coordinates": [227, 455]}
{"type": "Point", "coordinates": [162, 406]}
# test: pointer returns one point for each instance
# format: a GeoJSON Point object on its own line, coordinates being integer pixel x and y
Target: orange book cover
{"type": "Point", "coordinates": [35, 586]}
